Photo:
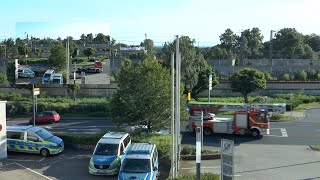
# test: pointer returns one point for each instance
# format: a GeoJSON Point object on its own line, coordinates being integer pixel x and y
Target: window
{"type": "Point", "coordinates": [155, 156]}
{"type": "Point", "coordinates": [121, 149]}
{"type": "Point", "coordinates": [32, 137]}
{"type": "Point", "coordinates": [126, 141]}
{"type": "Point", "coordinates": [262, 116]}
{"type": "Point", "coordinates": [136, 165]}
{"type": "Point", "coordinates": [106, 149]}
{"type": "Point", "coordinates": [15, 135]}
{"type": "Point", "coordinates": [44, 134]}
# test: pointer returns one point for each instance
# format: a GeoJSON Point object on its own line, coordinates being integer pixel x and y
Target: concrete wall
{"type": "Point", "coordinates": [279, 67]}
{"type": "Point", "coordinates": [223, 89]}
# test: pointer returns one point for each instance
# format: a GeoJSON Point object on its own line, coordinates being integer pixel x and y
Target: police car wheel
{"type": "Point", "coordinates": [44, 152]}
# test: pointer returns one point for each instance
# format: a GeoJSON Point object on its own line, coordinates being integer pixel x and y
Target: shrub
{"type": "Point", "coordinates": [203, 176]}
{"type": "Point", "coordinates": [163, 143]}
{"type": "Point", "coordinates": [276, 116]}
{"type": "Point", "coordinates": [286, 77]}
{"type": "Point", "coordinates": [302, 75]}
{"type": "Point", "coordinates": [3, 78]}
{"type": "Point", "coordinates": [191, 150]}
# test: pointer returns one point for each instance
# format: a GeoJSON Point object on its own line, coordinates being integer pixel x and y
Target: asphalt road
{"type": "Point", "coordinates": [300, 132]}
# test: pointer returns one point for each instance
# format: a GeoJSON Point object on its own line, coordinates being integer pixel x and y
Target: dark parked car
{"type": "Point", "coordinates": [46, 117]}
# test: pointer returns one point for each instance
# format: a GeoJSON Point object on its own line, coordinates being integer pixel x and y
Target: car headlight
{"type": "Point", "coordinates": [91, 165]}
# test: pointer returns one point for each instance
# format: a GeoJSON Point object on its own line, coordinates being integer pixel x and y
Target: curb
{"type": "Point", "coordinates": [82, 146]}
{"type": "Point", "coordinates": [203, 157]}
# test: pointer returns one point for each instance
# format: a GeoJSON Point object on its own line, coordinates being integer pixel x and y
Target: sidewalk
{"type": "Point", "coordinates": [65, 118]}
{"type": "Point", "coordinates": [296, 114]}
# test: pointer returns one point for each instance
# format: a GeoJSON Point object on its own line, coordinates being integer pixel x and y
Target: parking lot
{"type": "Point", "coordinates": [91, 78]}
{"type": "Point", "coordinates": [70, 164]}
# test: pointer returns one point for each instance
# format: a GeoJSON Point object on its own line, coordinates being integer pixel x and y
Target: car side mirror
{"type": "Point", "coordinates": [155, 168]}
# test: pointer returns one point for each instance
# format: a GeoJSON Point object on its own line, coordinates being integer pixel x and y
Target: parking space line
{"type": "Point", "coordinates": [23, 160]}
{"type": "Point", "coordinates": [1, 165]}
{"type": "Point", "coordinates": [33, 171]}
{"type": "Point", "coordinates": [41, 159]}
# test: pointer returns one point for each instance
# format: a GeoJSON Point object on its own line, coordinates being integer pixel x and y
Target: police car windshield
{"type": "Point", "coordinates": [47, 75]}
{"type": "Point", "coordinates": [136, 165]}
{"type": "Point", "coordinates": [56, 81]}
{"type": "Point", "coordinates": [106, 149]}
{"type": "Point", "coordinates": [44, 134]}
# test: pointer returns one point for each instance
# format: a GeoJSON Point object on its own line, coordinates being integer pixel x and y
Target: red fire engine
{"type": "Point", "coordinates": [252, 121]}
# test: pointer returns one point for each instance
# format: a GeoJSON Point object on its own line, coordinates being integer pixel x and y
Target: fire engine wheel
{"type": "Point", "coordinates": [97, 71]}
{"type": "Point", "coordinates": [207, 131]}
{"type": "Point", "coordinates": [255, 133]}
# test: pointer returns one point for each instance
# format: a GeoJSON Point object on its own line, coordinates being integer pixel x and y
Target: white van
{"type": "Point", "coordinates": [48, 77]}
{"type": "Point", "coordinates": [57, 78]}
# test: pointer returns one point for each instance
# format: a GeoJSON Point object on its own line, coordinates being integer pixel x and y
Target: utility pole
{"type": "Point", "coordinates": [173, 157]}
{"type": "Point", "coordinates": [177, 116]}
{"type": "Point", "coordinates": [270, 47]}
{"type": "Point", "coordinates": [67, 58]}
{"type": "Point", "coordinates": [34, 106]}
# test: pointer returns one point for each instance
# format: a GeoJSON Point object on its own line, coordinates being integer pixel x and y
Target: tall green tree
{"type": "Point", "coordinates": [313, 41]}
{"type": "Point", "coordinates": [73, 47]}
{"type": "Point", "coordinates": [148, 44]}
{"type": "Point", "coordinates": [289, 44]}
{"type": "Point", "coordinates": [144, 95]}
{"type": "Point", "coordinates": [57, 56]}
{"type": "Point", "coordinates": [23, 49]}
{"type": "Point", "coordinates": [246, 81]}
{"type": "Point", "coordinates": [192, 62]}
{"type": "Point", "coordinates": [88, 52]}
{"type": "Point", "coordinates": [228, 41]}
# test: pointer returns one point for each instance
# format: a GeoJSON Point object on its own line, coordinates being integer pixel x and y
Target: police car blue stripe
{"type": "Point", "coordinates": [12, 146]}
{"type": "Point", "coordinates": [22, 147]}
{"type": "Point", "coordinates": [29, 147]}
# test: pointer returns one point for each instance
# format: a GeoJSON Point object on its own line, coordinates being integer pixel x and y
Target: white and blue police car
{"type": "Point", "coordinates": [140, 163]}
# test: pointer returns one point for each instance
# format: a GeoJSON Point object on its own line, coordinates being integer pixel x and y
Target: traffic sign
{"type": "Point", "coordinates": [36, 91]}
{"type": "Point", "coordinates": [227, 162]}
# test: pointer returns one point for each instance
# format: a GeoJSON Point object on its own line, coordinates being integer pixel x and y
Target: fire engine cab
{"type": "Point", "coordinates": [254, 122]}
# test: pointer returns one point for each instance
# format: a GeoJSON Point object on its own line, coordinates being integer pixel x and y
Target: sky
{"type": "Point", "coordinates": [128, 21]}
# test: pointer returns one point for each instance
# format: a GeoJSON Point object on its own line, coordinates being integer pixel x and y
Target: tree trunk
{"type": "Point", "coordinates": [245, 98]}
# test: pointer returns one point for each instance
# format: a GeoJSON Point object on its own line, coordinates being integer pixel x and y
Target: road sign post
{"type": "Point", "coordinates": [291, 97]}
{"type": "Point", "coordinates": [227, 163]}
{"type": "Point", "coordinates": [198, 151]}
{"type": "Point", "coordinates": [36, 91]}
{"type": "Point", "coordinates": [210, 85]}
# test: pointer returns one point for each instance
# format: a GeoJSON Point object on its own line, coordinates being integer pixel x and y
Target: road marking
{"type": "Point", "coordinates": [41, 159]}
{"type": "Point", "coordinates": [284, 132]}
{"type": "Point", "coordinates": [214, 167]}
{"type": "Point", "coordinates": [33, 171]}
{"type": "Point", "coordinates": [23, 160]}
{"type": "Point", "coordinates": [1, 165]}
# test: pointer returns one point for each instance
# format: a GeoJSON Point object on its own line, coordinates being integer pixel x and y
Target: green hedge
{"type": "Point", "coordinates": [17, 104]}
{"type": "Point", "coordinates": [203, 176]}
{"type": "Point", "coordinates": [163, 143]}
{"type": "Point", "coordinates": [191, 150]}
